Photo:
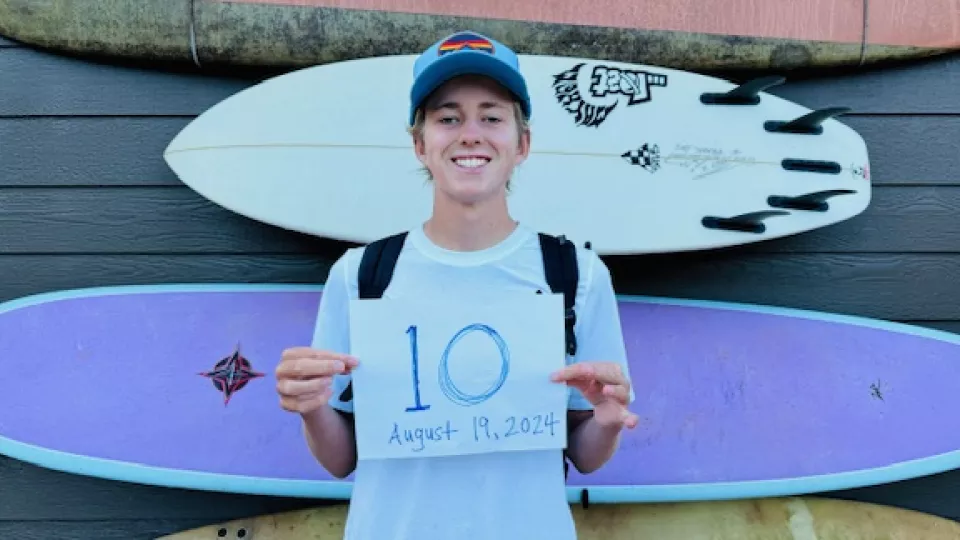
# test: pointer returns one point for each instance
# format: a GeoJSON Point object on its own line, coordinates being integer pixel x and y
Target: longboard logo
{"type": "Point", "coordinates": [231, 374]}
{"type": "Point", "coordinates": [604, 87]}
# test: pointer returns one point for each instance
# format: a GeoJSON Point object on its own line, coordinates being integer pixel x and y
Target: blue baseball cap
{"type": "Point", "coordinates": [467, 53]}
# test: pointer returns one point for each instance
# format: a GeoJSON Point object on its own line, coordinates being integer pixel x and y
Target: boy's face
{"type": "Point", "coordinates": [471, 139]}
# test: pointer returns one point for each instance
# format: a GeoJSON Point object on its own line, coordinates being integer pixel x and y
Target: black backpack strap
{"type": "Point", "coordinates": [377, 264]}
{"type": "Point", "coordinates": [374, 275]}
{"type": "Point", "coordinates": [562, 274]}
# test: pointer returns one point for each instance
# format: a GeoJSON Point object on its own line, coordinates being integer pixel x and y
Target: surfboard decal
{"type": "Point", "coordinates": [605, 82]}
{"type": "Point", "coordinates": [701, 161]}
{"type": "Point", "coordinates": [860, 171]}
{"type": "Point", "coordinates": [231, 374]}
{"type": "Point", "coordinates": [647, 157]}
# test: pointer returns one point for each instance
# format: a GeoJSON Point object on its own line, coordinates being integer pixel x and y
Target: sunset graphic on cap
{"type": "Point", "coordinates": [466, 41]}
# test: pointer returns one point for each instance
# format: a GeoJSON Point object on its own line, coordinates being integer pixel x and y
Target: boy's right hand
{"type": "Point", "coordinates": [305, 377]}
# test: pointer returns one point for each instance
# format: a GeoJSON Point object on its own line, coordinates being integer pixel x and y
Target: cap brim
{"type": "Point", "coordinates": [466, 63]}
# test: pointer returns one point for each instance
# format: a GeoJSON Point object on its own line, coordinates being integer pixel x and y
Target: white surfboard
{"type": "Point", "coordinates": [631, 158]}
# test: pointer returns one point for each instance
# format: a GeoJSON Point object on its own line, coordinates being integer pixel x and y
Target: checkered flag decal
{"type": "Point", "coordinates": [647, 156]}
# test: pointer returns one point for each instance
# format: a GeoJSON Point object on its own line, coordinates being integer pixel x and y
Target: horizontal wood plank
{"type": "Point", "coordinates": [32, 274]}
{"type": "Point", "coordinates": [61, 85]}
{"type": "Point", "coordinates": [946, 326]}
{"type": "Point", "coordinates": [132, 220]}
{"type": "Point", "coordinates": [884, 286]}
{"type": "Point", "coordinates": [937, 494]}
{"type": "Point", "coordinates": [125, 151]}
{"type": "Point", "coordinates": [51, 84]}
{"type": "Point", "coordinates": [921, 86]}
{"type": "Point", "coordinates": [178, 220]}
{"type": "Point", "coordinates": [96, 151]}
{"type": "Point", "coordinates": [898, 219]}
{"type": "Point", "coordinates": [908, 150]}
{"type": "Point", "coordinates": [32, 493]}
{"type": "Point", "coordinates": [894, 286]}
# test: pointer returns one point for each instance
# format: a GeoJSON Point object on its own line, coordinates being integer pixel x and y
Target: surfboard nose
{"type": "Point", "coordinates": [188, 137]}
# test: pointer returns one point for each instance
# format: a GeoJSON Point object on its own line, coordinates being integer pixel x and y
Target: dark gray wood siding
{"type": "Point", "coordinates": [86, 201]}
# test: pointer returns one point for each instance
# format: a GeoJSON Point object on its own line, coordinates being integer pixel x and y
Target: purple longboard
{"type": "Point", "coordinates": [735, 400]}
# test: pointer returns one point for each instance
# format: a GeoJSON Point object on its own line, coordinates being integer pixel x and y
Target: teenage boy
{"type": "Point", "coordinates": [469, 124]}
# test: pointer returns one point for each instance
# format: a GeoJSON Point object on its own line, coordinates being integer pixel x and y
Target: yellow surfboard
{"type": "Point", "coordinates": [788, 518]}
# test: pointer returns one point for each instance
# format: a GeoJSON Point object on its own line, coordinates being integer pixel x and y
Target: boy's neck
{"type": "Point", "coordinates": [460, 228]}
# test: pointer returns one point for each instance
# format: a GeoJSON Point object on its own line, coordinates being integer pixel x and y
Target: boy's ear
{"type": "Point", "coordinates": [418, 148]}
{"type": "Point", "coordinates": [523, 147]}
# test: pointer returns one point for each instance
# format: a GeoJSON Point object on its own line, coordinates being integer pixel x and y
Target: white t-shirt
{"type": "Point", "coordinates": [504, 496]}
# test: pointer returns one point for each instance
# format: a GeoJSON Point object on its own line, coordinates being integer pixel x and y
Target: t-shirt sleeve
{"type": "Point", "coordinates": [598, 331]}
{"type": "Point", "coordinates": [332, 332]}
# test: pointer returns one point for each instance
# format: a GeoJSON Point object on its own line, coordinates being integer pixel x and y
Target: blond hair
{"type": "Point", "coordinates": [416, 130]}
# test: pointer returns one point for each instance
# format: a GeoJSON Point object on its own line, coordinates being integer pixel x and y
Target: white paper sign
{"type": "Point", "coordinates": [458, 377]}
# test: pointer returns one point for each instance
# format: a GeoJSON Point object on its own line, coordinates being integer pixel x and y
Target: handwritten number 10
{"type": "Point", "coordinates": [447, 385]}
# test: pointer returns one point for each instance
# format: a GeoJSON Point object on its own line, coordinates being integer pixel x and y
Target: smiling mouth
{"type": "Point", "coordinates": [471, 162]}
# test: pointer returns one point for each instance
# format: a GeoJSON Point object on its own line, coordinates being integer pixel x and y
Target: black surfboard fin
{"type": "Point", "coordinates": [812, 165]}
{"type": "Point", "coordinates": [808, 124]}
{"type": "Point", "coordinates": [813, 202]}
{"type": "Point", "coordinates": [744, 94]}
{"type": "Point", "coordinates": [751, 222]}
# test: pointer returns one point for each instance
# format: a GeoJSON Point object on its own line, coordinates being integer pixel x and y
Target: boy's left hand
{"type": "Point", "coordinates": [603, 385]}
